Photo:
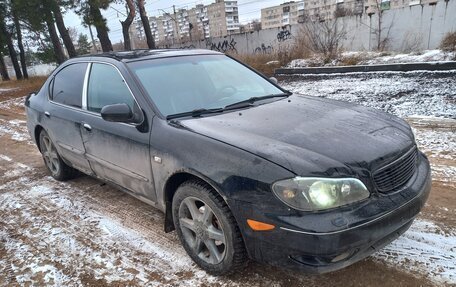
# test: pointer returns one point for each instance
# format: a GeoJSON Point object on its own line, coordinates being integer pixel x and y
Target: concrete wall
{"type": "Point", "coordinates": [37, 70]}
{"type": "Point", "coordinates": [420, 26]}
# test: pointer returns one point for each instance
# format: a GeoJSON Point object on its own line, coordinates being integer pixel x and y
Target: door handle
{"type": "Point", "coordinates": [47, 114]}
{"type": "Point", "coordinates": [87, 127]}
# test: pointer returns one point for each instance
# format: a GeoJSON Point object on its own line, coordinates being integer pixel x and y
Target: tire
{"type": "Point", "coordinates": [212, 239]}
{"type": "Point", "coordinates": [52, 160]}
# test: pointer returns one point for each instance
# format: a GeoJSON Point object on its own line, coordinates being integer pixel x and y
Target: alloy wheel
{"type": "Point", "coordinates": [50, 155]}
{"type": "Point", "coordinates": [201, 230]}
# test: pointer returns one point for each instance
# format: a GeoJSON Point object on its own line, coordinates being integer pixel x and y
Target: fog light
{"type": "Point", "coordinates": [342, 256]}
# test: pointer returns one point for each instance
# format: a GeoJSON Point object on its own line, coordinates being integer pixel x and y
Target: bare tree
{"type": "Point", "coordinates": [412, 42]}
{"type": "Point", "coordinates": [381, 31]}
{"type": "Point", "coordinates": [323, 37]}
{"type": "Point", "coordinates": [74, 35]}
{"type": "Point", "coordinates": [126, 24]}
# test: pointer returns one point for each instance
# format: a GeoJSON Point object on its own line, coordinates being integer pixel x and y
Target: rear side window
{"type": "Point", "coordinates": [67, 85]}
{"type": "Point", "coordinates": [106, 87]}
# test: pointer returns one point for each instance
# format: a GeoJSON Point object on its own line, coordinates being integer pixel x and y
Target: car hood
{"type": "Point", "coordinates": [311, 136]}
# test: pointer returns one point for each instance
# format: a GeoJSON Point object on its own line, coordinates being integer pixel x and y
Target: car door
{"type": "Point", "coordinates": [63, 114]}
{"type": "Point", "coordinates": [117, 152]}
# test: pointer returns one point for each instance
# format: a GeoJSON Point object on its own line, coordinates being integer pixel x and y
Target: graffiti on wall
{"type": "Point", "coordinates": [222, 46]}
{"type": "Point", "coordinates": [189, 47]}
{"type": "Point", "coordinates": [284, 35]}
{"type": "Point", "coordinates": [263, 49]}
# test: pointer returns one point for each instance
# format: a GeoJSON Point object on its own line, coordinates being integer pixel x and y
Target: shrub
{"type": "Point", "coordinates": [448, 43]}
{"type": "Point", "coordinates": [323, 38]}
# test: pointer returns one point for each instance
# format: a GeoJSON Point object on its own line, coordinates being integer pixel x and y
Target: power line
{"type": "Point", "coordinates": [120, 12]}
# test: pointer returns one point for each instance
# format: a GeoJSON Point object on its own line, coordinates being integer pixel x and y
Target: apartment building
{"type": "Point", "coordinates": [371, 6]}
{"type": "Point", "coordinates": [198, 17]}
{"type": "Point", "coordinates": [223, 18]}
{"type": "Point", "coordinates": [285, 14]}
{"type": "Point", "coordinates": [202, 21]}
{"type": "Point", "coordinates": [319, 10]}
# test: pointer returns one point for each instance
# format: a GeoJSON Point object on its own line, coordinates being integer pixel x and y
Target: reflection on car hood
{"type": "Point", "coordinates": [310, 135]}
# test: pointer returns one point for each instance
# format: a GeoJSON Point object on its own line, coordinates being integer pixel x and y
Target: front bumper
{"type": "Point", "coordinates": [324, 242]}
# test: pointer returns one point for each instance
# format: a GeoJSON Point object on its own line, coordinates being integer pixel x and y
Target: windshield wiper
{"type": "Point", "coordinates": [195, 113]}
{"type": "Point", "coordinates": [241, 104]}
{"type": "Point", "coordinates": [250, 101]}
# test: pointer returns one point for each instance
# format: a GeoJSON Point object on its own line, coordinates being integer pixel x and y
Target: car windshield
{"type": "Point", "coordinates": [183, 84]}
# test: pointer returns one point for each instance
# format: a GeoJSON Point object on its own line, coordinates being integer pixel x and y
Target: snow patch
{"type": "Point", "coordinates": [374, 58]}
{"type": "Point", "coordinates": [402, 94]}
{"type": "Point", "coordinates": [17, 129]}
{"type": "Point", "coordinates": [16, 102]}
{"type": "Point", "coordinates": [439, 143]}
{"type": "Point", "coordinates": [424, 248]}
{"type": "Point", "coordinates": [7, 89]}
{"type": "Point", "coordinates": [5, 158]}
{"type": "Point", "coordinates": [18, 170]}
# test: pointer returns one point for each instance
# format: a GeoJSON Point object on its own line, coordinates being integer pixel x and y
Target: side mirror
{"type": "Point", "coordinates": [274, 80]}
{"type": "Point", "coordinates": [120, 113]}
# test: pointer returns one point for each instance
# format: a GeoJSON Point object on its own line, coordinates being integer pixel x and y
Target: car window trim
{"type": "Point", "coordinates": [84, 90]}
{"type": "Point", "coordinates": [86, 87]}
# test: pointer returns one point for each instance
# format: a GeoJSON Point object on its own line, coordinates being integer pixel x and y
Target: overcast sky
{"type": "Point", "coordinates": [248, 10]}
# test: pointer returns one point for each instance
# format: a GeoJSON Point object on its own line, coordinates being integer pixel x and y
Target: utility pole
{"type": "Point", "coordinates": [93, 40]}
{"type": "Point", "coordinates": [177, 23]}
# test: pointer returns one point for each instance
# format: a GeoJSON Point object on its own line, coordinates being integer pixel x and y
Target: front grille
{"type": "Point", "coordinates": [395, 174]}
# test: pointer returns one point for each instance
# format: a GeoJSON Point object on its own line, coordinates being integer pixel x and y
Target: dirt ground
{"type": "Point", "coordinates": [83, 232]}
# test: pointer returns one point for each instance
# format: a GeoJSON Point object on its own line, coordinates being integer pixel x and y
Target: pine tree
{"type": "Point", "coordinates": [84, 45]}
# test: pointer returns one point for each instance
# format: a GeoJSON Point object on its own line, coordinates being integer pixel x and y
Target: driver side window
{"type": "Point", "coordinates": [106, 87]}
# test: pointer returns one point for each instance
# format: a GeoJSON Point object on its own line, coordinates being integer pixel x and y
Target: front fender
{"type": "Point", "coordinates": [234, 173]}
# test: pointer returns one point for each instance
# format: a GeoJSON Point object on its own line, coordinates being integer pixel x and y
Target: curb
{"type": "Point", "coordinates": [405, 67]}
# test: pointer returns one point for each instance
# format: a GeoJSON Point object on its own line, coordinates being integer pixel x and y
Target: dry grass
{"type": "Point", "coordinates": [267, 63]}
{"type": "Point", "coordinates": [16, 89]}
{"type": "Point", "coordinates": [448, 43]}
{"type": "Point", "coordinates": [350, 59]}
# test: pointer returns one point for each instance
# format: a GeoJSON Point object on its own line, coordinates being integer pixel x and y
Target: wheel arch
{"type": "Point", "coordinates": [172, 184]}
{"type": "Point", "coordinates": [36, 134]}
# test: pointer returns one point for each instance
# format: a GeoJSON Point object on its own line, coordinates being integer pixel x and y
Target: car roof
{"type": "Point", "coordinates": [143, 54]}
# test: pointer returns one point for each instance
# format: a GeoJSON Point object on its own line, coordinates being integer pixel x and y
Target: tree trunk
{"type": "Point", "coordinates": [59, 56]}
{"type": "Point", "coordinates": [9, 42]}
{"type": "Point", "coordinates": [100, 24]}
{"type": "Point", "coordinates": [126, 24]}
{"type": "Point", "coordinates": [3, 70]}
{"type": "Point", "coordinates": [20, 45]}
{"type": "Point", "coordinates": [64, 31]}
{"type": "Point", "coordinates": [145, 22]}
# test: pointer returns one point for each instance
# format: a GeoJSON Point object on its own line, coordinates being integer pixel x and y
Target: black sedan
{"type": "Point", "coordinates": [241, 167]}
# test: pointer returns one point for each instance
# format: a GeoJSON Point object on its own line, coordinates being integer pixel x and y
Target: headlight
{"type": "Point", "coordinates": [312, 193]}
